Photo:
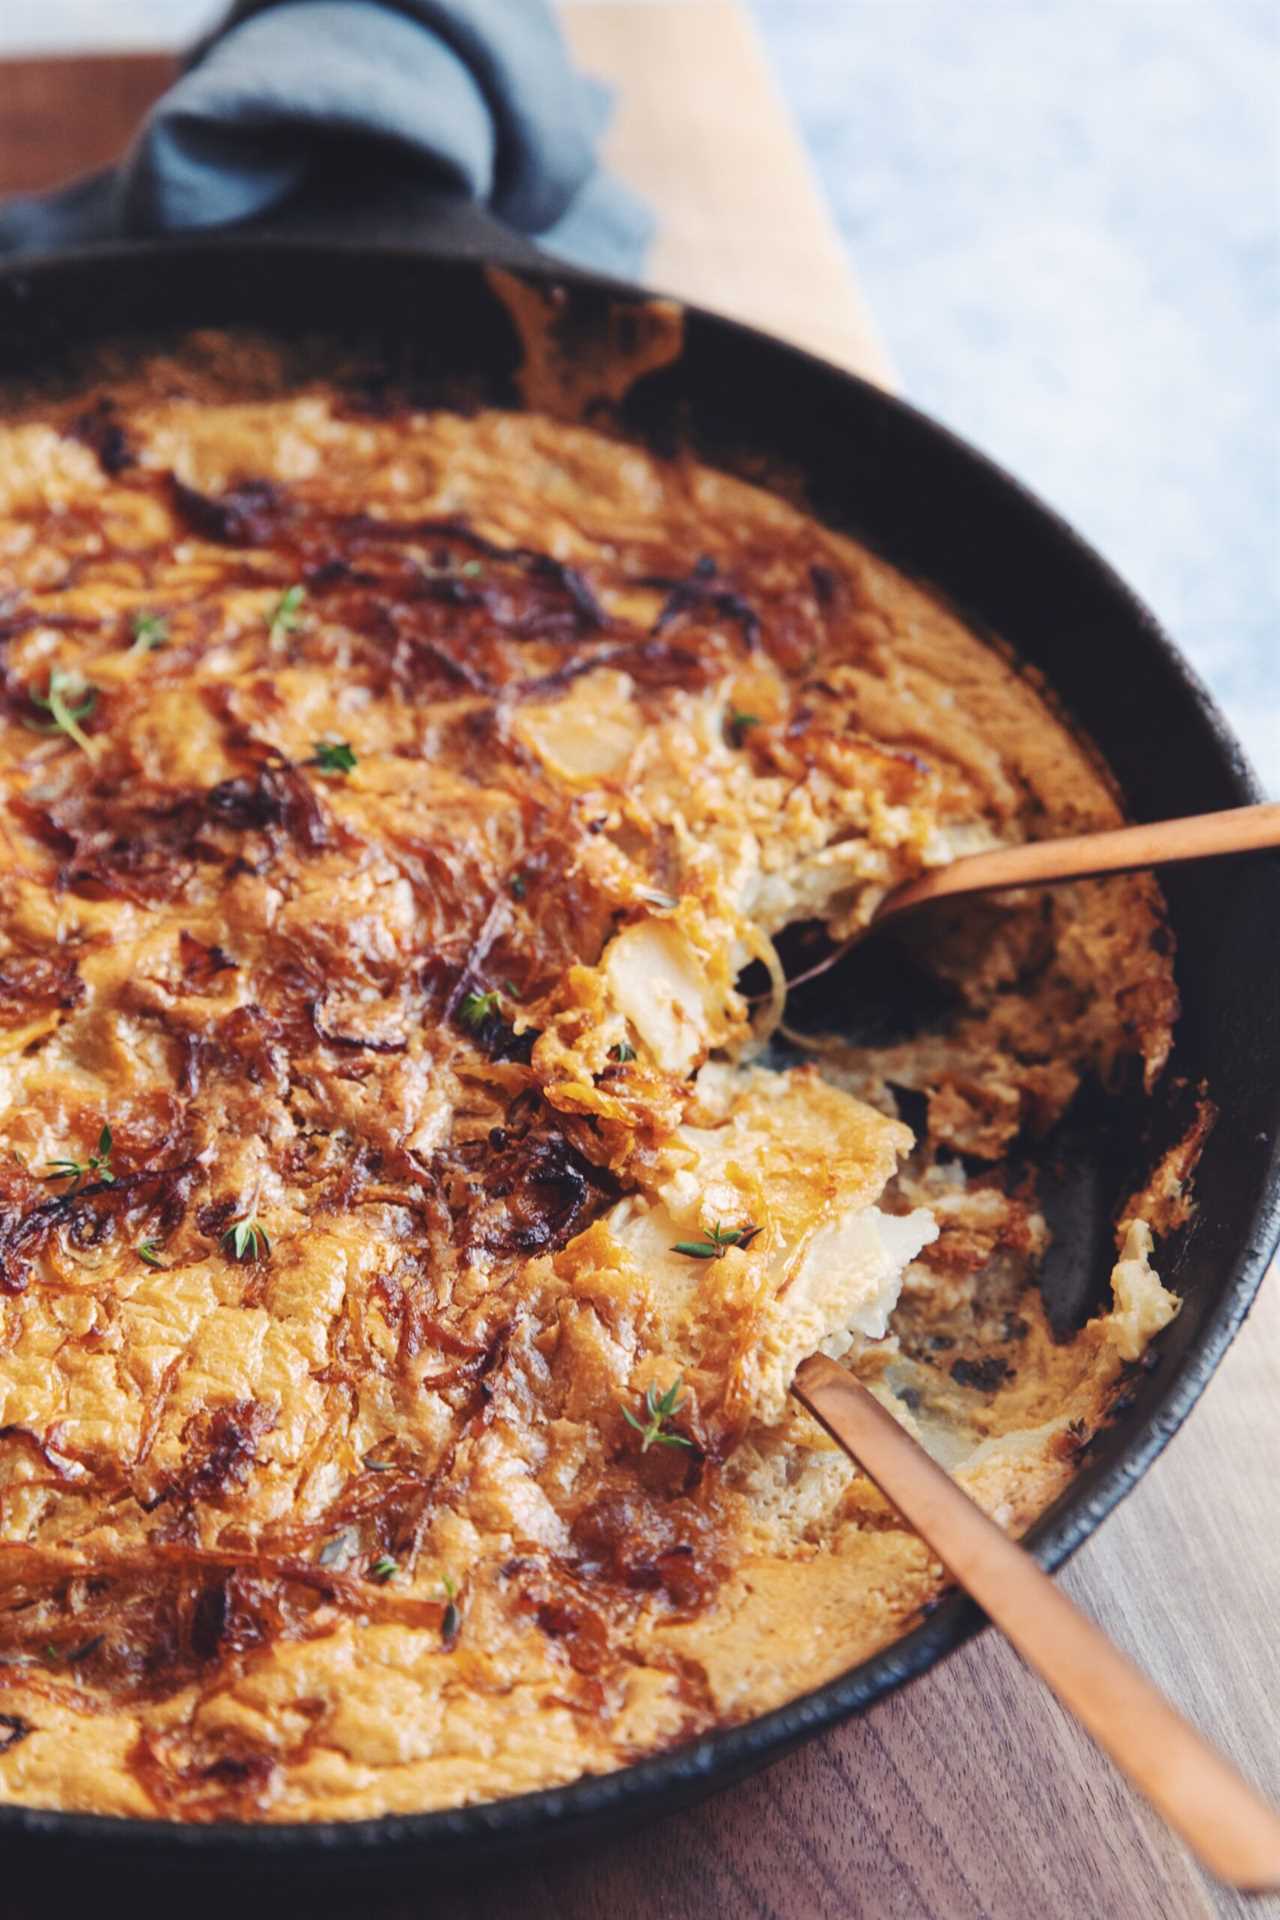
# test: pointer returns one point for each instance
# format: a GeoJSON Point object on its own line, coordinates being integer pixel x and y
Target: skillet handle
{"type": "Point", "coordinates": [392, 208]}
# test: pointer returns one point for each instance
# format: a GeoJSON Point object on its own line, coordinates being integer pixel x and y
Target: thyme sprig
{"type": "Point", "coordinates": [659, 1407]}
{"type": "Point", "coordinates": [383, 1569]}
{"type": "Point", "coordinates": [247, 1239]}
{"type": "Point", "coordinates": [288, 616]}
{"type": "Point", "coordinates": [96, 1167]}
{"type": "Point", "coordinates": [148, 1251]}
{"type": "Point", "coordinates": [65, 686]}
{"type": "Point", "coordinates": [489, 1017]}
{"type": "Point", "coordinates": [475, 1008]}
{"type": "Point", "coordinates": [740, 725]}
{"type": "Point", "coordinates": [622, 1052]}
{"type": "Point", "coordinates": [150, 630]}
{"type": "Point", "coordinates": [714, 1245]}
{"type": "Point", "coordinates": [333, 756]}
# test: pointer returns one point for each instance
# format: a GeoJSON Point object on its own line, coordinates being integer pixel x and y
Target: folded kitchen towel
{"type": "Point", "coordinates": [473, 96]}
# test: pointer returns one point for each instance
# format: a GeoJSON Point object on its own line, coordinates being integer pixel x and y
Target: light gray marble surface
{"type": "Point", "coordinates": [1066, 214]}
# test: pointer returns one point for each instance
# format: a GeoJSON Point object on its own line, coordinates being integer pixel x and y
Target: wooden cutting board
{"type": "Point", "coordinates": [969, 1796]}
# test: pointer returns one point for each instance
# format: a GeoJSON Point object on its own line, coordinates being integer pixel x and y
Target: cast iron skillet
{"type": "Point", "coordinates": [874, 467]}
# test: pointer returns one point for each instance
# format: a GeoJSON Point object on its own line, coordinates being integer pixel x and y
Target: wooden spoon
{"type": "Point", "coordinates": [1231, 1829]}
{"type": "Point", "coordinates": [1039, 863]}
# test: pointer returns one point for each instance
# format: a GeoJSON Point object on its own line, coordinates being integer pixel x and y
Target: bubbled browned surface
{"type": "Point", "coordinates": [540, 644]}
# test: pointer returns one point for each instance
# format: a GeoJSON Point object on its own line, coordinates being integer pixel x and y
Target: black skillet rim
{"type": "Point", "coordinates": [503, 1828]}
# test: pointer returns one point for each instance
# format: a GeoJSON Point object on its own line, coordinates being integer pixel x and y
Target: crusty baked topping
{"type": "Point", "coordinates": [393, 803]}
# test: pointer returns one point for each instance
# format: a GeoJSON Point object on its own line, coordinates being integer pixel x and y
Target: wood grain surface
{"type": "Point", "coordinates": [969, 1795]}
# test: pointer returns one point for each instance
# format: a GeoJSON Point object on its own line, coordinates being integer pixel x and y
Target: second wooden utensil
{"type": "Point", "coordinates": [1225, 1823]}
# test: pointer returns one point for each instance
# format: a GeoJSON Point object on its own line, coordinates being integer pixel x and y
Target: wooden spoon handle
{"type": "Point", "coordinates": [1040, 862]}
{"type": "Point", "coordinates": [1232, 1830]}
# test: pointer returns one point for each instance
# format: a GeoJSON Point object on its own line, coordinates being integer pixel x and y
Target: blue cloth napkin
{"type": "Point", "coordinates": [477, 96]}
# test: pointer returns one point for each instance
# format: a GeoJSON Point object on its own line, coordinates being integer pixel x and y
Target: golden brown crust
{"type": "Point", "coordinates": [354, 1516]}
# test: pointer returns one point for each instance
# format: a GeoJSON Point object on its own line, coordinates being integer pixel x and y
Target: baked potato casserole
{"type": "Point", "coordinates": [413, 1199]}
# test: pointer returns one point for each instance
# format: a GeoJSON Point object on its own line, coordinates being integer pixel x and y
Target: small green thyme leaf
{"type": "Point", "coordinates": [660, 1407]}
{"type": "Point", "coordinates": [740, 725]}
{"type": "Point", "coordinates": [150, 630]}
{"type": "Point", "coordinates": [67, 1170]}
{"type": "Point", "coordinates": [712, 1245]}
{"type": "Point", "coordinates": [97, 1166]}
{"type": "Point", "coordinates": [623, 1052]}
{"type": "Point", "coordinates": [288, 616]}
{"type": "Point", "coordinates": [333, 756]}
{"type": "Point", "coordinates": [472, 569]}
{"type": "Point", "coordinates": [656, 898]}
{"type": "Point", "coordinates": [451, 1619]}
{"type": "Point", "coordinates": [247, 1240]}
{"type": "Point", "coordinates": [66, 685]}
{"type": "Point", "coordinates": [517, 886]}
{"type": "Point", "coordinates": [384, 1568]}
{"type": "Point", "coordinates": [375, 1466]}
{"type": "Point", "coordinates": [149, 1252]}
{"type": "Point", "coordinates": [475, 1008]}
